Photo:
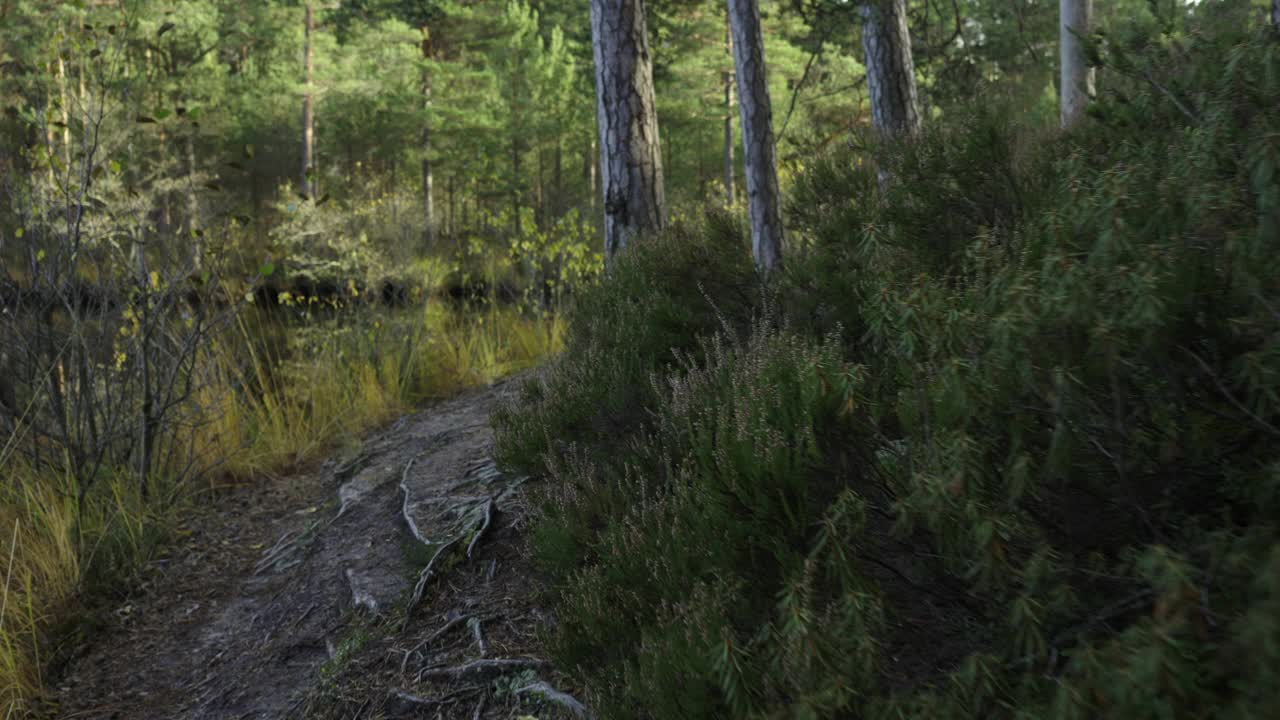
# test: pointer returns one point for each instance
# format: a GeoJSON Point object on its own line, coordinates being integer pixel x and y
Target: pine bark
{"type": "Point", "coordinates": [308, 116]}
{"type": "Point", "coordinates": [891, 78]}
{"type": "Point", "coordinates": [1076, 80]}
{"type": "Point", "coordinates": [630, 155]}
{"type": "Point", "coordinates": [755, 114]}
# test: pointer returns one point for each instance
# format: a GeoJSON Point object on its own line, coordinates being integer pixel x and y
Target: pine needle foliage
{"type": "Point", "coordinates": [1005, 445]}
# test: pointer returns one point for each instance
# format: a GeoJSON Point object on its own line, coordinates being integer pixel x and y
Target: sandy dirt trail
{"type": "Point", "coordinates": [394, 584]}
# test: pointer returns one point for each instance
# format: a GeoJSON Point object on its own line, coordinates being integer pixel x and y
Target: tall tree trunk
{"type": "Point", "coordinates": [166, 212]}
{"type": "Point", "coordinates": [557, 201]}
{"type": "Point", "coordinates": [727, 77]}
{"type": "Point", "coordinates": [426, 144]}
{"type": "Point", "coordinates": [891, 77]}
{"type": "Point", "coordinates": [1076, 81]}
{"type": "Point", "coordinates": [630, 156]}
{"type": "Point", "coordinates": [51, 145]}
{"type": "Point", "coordinates": [515, 186]}
{"type": "Point", "coordinates": [757, 134]}
{"type": "Point", "coordinates": [466, 216]}
{"type": "Point", "coordinates": [308, 117]}
{"type": "Point", "coordinates": [193, 204]}
{"type": "Point", "coordinates": [1275, 15]}
{"type": "Point", "coordinates": [449, 227]}
{"type": "Point", "coordinates": [66, 112]}
{"type": "Point", "coordinates": [540, 194]}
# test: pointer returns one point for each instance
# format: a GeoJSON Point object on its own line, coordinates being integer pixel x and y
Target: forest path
{"type": "Point", "coordinates": [395, 584]}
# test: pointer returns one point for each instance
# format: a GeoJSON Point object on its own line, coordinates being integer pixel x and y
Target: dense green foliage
{"type": "Point", "coordinates": [1002, 443]}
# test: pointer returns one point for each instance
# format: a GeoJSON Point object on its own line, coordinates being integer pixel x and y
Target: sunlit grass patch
{"type": "Point", "coordinates": [341, 377]}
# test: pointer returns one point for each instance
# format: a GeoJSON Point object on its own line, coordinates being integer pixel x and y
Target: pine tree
{"type": "Point", "coordinates": [630, 157]}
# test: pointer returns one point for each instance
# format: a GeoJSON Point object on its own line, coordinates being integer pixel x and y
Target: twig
{"type": "Point", "coordinates": [304, 615]}
{"type": "Point", "coordinates": [795, 92]}
{"type": "Point", "coordinates": [1169, 94]}
{"type": "Point", "coordinates": [475, 714]}
{"type": "Point", "coordinates": [474, 624]}
{"type": "Point", "coordinates": [432, 638]}
{"type": "Point", "coordinates": [1124, 605]}
{"type": "Point", "coordinates": [1227, 393]}
{"type": "Point", "coordinates": [404, 508]}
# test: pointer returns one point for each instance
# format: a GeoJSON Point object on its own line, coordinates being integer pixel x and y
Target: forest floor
{"type": "Point", "coordinates": [393, 584]}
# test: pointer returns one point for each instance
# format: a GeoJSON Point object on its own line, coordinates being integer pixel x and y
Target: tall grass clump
{"type": "Point", "coordinates": [288, 390]}
{"type": "Point", "coordinates": [1005, 447]}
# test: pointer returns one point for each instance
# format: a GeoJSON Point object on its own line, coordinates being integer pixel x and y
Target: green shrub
{"type": "Point", "coordinates": [1009, 451]}
{"type": "Point", "coordinates": [660, 297]}
{"type": "Point", "coordinates": [718, 496]}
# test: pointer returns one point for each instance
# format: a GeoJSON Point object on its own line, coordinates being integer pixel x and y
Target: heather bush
{"type": "Point", "coordinates": [1003, 444]}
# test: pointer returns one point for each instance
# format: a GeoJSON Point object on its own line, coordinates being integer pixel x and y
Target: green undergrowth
{"type": "Point", "coordinates": [1004, 441]}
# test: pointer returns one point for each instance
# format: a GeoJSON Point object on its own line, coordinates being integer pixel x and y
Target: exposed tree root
{"type": "Point", "coordinates": [488, 515]}
{"type": "Point", "coordinates": [483, 670]}
{"type": "Point", "coordinates": [551, 695]}
{"type": "Point", "coordinates": [423, 577]}
{"type": "Point", "coordinates": [402, 704]}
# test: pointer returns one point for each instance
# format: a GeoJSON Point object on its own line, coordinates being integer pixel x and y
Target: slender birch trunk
{"type": "Point", "coordinates": [308, 116]}
{"type": "Point", "coordinates": [1076, 81]}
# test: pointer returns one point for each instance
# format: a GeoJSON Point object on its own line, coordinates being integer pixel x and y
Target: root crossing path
{"type": "Point", "coordinates": [394, 584]}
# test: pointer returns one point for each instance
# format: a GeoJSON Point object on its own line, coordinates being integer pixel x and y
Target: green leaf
{"type": "Point", "coordinates": [165, 28]}
{"type": "Point", "coordinates": [266, 269]}
{"type": "Point", "coordinates": [114, 166]}
{"type": "Point", "coordinates": [162, 113]}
